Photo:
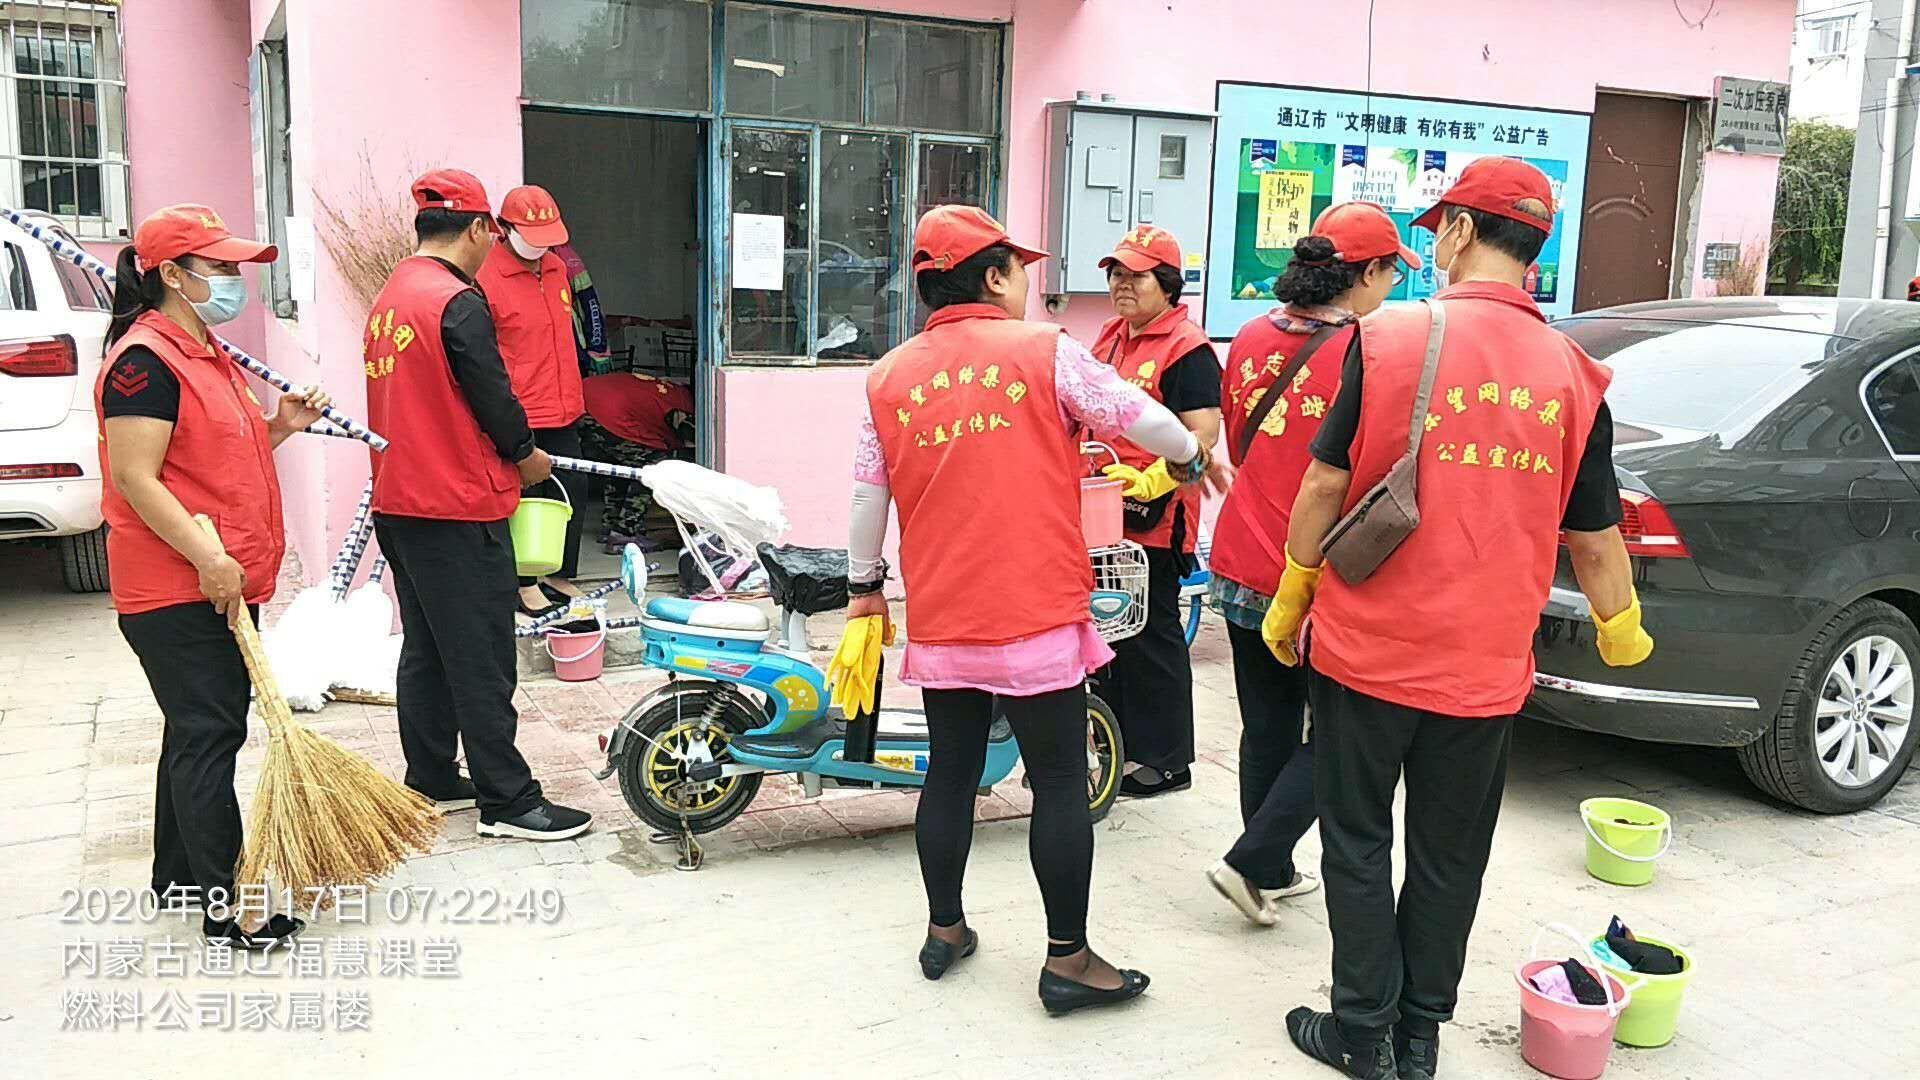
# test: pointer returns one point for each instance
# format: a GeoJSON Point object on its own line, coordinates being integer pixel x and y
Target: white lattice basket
{"type": "Point", "coordinates": [1119, 601]}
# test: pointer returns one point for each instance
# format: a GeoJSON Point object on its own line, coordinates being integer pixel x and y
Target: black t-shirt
{"type": "Point", "coordinates": [141, 384]}
{"type": "Point", "coordinates": [1192, 381]}
{"type": "Point", "coordinates": [1593, 505]}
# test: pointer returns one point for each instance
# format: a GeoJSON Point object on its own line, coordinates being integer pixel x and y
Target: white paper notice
{"type": "Point", "coordinates": [759, 251]}
{"type": "Point", "coordinates": [300, 260]}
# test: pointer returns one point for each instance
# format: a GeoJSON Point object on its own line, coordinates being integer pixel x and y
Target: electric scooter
{"type": "Point", "coordinates": [744, 700]}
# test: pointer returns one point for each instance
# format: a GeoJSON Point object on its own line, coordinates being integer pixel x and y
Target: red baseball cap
{"type": "Point", "coordinates": [192, 229]}
{"type": "Point", "coordinates": [950, 235]}
{"type": "Point", "coordinates": [1362, 231]}
{"type": "Point", "coordinates": [1144, 248]}
{"type": "Point", "coordinates": [534, 215]}
{"type": "Point", "coordinates": [451, 189]}
{"type": "Point", "coordinates": [1497, 185]}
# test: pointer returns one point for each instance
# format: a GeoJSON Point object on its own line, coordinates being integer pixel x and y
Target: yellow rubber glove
{"type": "Point", "coordinates": [1281, 627]}
{"type": "Point", "coordinates": [1145, 484]}
{"type": "Point", "coordinates": [855, 667]}
{"type": "Point", "coordinates": [1621, 640]}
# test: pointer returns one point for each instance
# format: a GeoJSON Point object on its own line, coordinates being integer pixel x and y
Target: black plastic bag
{"type": "Point", "coordinates": [806, 580]}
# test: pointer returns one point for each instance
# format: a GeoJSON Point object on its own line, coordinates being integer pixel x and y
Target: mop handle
{"type": "Point", "coordinates": [363, 533]}
{"type": "Point", "coordinates": [379, 570]}
{"type": "Point", "coordinates": [596, 468]}
{"type": "Point", "coordinates": [271, 704]}
{"type": "Point", "coordinates": [347, 560]}
{"type": "Point", "coordinates": [98, 269]}
{"type": "Point", "coordinates": [540, 625]}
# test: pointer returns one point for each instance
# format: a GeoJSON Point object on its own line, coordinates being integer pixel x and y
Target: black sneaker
{"type": "Point", "coordinates": [544, 822]}
{"type": "Point", "coordinates": [1318, 1037]}
{"type": "Point", "coordinates": [1417, 1059]}
{"type": "Point", "coordinates": [279, 931]}
{"type": "Point", "coordinates": [459, 795]}
{"type": "Point", "coordinates": [1146, 783]}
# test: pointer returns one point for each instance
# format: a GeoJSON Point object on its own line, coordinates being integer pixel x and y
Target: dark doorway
{"type": "Point", "coordinates": [1633, 200]}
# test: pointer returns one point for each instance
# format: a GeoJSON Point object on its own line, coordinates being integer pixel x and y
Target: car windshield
{"type": "Point", "coordinates": [1700, 376]}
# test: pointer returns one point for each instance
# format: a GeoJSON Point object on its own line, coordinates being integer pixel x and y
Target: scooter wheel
{"type": "Point", "coordinates": [653, 774]}
{"type": "Point", "coordinates": [1106, 757]}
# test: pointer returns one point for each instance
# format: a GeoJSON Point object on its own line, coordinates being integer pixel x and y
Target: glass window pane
{"type": "Point", "coordinates": [934, 78]}
{"type": "Point", "coordinates": [1173, 157]}
{"type": "Point", "coordinates": [793, 65]}
{"type": "Point", "coordinates": [633, 53]}
{"type": "Point", "coordinates": [33, 119]}
{"type": "Point", "coordinates": [949, 173]}
{"type": "Point", "coordinates": [1895, 400]}
{"type": "Point", "coordinates": [862, 275]}
{"type": "Point", "coordinates": [770, 180]}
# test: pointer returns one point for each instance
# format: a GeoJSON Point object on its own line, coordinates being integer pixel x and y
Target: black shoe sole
{"type": "Point", "coordinates": [507, 830]}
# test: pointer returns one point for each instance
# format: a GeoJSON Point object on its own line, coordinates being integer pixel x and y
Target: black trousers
{"type": "Point", "coordinates": [1052, 732]}
{"type": "Point", "coordinates": [1391, 963]}
{"type": "Point", "coordinates": [1150, 682]}
{"type": "Point", "coordinates": [200, 683]}
{"type": "Point", "coordinates": [564, 441]}
{"type": "Point", "coordinates": [1276, 768]}
{"type": "Point", "coordinates": [454, 580]}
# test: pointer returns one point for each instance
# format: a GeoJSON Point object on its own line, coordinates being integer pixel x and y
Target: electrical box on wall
{"type": "Point", "coordinates": [1112, 167]}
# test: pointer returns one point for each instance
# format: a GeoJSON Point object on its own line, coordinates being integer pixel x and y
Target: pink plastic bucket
{"type": "Point", "coordinates": [1570, 1042]}
{"type": "Point", "coordinates": [1100, 511]}
{"type": "Point", "coordinates": [577, 657]}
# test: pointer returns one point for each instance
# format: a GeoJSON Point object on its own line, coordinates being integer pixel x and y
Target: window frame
{"type": "Point", "coordinates": [1867, 381]}
{"type": "Point", "coordinates": [114, 222]}
{"type": "Point", "coordinates": [270, 78]}
{"type": "Point", "coordinates": [1822, 28]}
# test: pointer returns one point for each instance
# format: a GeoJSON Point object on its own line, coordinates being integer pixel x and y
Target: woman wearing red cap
{"type": "Point", "coordinates": [181, 434]}
{"type": "Point", "coordinates": [984, 405]}
{"type": "Point", "coordinates": [1282, 372]}
{"type": "Point", "coordinates": [1154, 345]}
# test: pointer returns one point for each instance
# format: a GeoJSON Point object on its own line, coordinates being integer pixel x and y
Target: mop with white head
{"type": "Point", "coordinates": [304, 644]}
{"type": "Point", "coordinates": [368, 657]}
{"type": "Point", "coordinates": [739, 515]}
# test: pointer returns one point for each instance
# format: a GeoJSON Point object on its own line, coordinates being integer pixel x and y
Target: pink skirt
{"type": "Point", "coordinates": [1050, 660]}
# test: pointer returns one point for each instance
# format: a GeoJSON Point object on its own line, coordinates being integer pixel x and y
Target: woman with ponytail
{"type": "Point", "coordinates": [1282, 372]}
{"type": "Point", "coordinates": [181, 435]}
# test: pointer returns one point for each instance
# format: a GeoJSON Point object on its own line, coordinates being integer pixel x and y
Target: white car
{"type": "Point", "coordinates": [53, 321]}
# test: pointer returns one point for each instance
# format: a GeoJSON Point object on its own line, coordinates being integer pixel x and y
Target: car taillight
{"type": "Point", "coordinates": [1648, 529]}
{"type": "Point", "coordinates": [60, 471]}
{"type": "Point", "coordinates": [41, 356]}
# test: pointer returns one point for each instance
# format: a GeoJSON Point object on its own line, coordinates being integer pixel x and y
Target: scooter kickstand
{"type": "Point", "coordinates": [691, 856]}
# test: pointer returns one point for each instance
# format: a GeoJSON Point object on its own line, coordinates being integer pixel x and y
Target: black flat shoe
{"type": "Point", "coordinates": [1137, 785]}
{"type": "Point", "coordinates": [1318, 1036]}
{"type": "Point", "coordinates": [1061, 995]}
{"type": "Point", "coordinates": [535, 613]}
{"type": "Point", "coordinates": [937, 956]}
{"type": "Point", "coordinates": [1417, 1059]}
{"type": "Point", "coordinates": [558, 596]}
{"type": "Point", "coordinates": [280, 930]}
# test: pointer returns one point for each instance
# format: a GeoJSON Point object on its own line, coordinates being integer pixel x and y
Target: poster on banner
{"type": "Point", "coordinates": [1284, 154]}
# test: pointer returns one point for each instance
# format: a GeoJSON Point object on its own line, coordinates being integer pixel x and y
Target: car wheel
{"type": "Point", "coordinates": [1844, 732]}
{"type": "Point", "coordinates": [83, 561]}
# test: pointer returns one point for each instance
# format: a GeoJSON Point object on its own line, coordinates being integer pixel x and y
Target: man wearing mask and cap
{"type": "Point", "coordinates": [459, 451]}
{"type": "Point", "coordinates": [1420, 664]}
{"type": "Point", "coordinates": [530, 294]}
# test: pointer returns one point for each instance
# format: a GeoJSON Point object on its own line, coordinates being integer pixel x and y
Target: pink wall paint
{"type": "Point", "coordinates": [1736, 207]}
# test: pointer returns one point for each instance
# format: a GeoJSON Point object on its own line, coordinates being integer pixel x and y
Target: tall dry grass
{"type": "Point", "coordinates": [367, 228]}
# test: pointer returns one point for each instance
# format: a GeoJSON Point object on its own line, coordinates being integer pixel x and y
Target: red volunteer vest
{"type": "Point", "coordinates": [636, 407]}
{"type": "Point", "coordinates": [1252, 529]}
{"type": "Point", "coordinates": [438, 463]}
{"type": "Point", "coordinates": [986, 479]}
{"type": "Point", "coordinates": [1144, 359]}
{"type": "Point", "coordinates": [533, 318]}
{"type": "Point", "coordinates": [1446, 624]}
{"type": "Point", "coordinates": [219, 462]}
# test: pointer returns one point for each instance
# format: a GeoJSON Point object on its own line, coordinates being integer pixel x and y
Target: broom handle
{"type": "Point", "coordinates": [266, 689]}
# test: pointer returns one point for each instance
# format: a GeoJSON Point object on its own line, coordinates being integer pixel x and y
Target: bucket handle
{"type": "Point", "coordinates": [1090, 447]}
{"type": "Point", "coordinates": [1666, 845]}
{"type": "Point", "coordinates": [547, 640]}
{"type": "Point", "coordinates": [1603, 973]}
{"type": "Point", "coordinates": [564, 497]}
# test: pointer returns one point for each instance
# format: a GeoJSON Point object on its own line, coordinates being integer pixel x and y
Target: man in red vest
{"type": "Point", "coordinates": [1419, 668]}
{"type": "Point", "coordinates": [459, 452]}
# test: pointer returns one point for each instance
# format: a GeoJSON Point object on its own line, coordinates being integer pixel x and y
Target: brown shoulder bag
{"type": "Point", "coordinates": [1388, 513]}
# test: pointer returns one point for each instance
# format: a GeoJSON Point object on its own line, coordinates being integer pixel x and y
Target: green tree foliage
{"type": "Point", "coordinates": [1810, 205]}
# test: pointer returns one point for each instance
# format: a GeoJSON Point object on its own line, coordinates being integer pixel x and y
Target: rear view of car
{"type": "Point", "coordinates": [1770, 521]}
{"type": "Point", "coordinates": [53, 319]}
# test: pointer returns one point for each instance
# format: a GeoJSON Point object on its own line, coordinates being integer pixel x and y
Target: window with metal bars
{"type": "Point", "coordinates": [64, 143]}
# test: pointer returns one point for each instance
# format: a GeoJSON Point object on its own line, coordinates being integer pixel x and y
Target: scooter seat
{"type": "Point", "coordinates": [709, 614]}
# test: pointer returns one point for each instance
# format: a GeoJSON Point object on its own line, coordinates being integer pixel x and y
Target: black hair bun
{"type": "Point", "coordinates": [1313, 249]}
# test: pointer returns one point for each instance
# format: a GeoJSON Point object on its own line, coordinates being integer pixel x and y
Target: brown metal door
{"type": "Point", "coordinates": [1633, 200]}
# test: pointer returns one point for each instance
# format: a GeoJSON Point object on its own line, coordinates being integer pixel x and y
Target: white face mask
{"type": "Point", "coordinates": [523, 249]}
{"type": "Point", "coordinates": [1441, 277]}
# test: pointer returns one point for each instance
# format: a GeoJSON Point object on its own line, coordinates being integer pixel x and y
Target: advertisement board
{"type": "Point", "coordinates": [1284, 154]}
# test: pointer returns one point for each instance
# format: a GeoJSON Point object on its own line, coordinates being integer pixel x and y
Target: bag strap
{"type": "Point", "coordinates": [1436, 331]}
{"type": "Point", "coordinates": [1314, 341]}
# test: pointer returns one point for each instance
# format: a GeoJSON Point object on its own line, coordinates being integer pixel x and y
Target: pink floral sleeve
{"type": "Point", "coordinates": [869, 462]}
{"type": "Point", "coordinates": [1093, 393]}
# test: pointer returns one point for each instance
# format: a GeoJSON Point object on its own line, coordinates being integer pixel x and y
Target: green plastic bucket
{"type": "Point", "coordinates": [1624, 839]}
{"type": "Point", "coordinates": [1654, 1012]}
{"type": "Point", "coordinates": [539, 530]}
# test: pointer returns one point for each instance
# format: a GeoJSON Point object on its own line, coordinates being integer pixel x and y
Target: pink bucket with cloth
{"type": "Point", "coordinates": [578, 656]}
{"type": "Point", "coordinates": [1566, 1040]}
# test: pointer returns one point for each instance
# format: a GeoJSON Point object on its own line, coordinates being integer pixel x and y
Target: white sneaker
{"type": "Point", "coordinates": [1228, 883]}
{"type": "Point", "coordinates": [1303, 883]}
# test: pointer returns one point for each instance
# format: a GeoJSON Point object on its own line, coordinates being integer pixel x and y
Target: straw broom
{"type": "Point", "coordinates": [322, 815]}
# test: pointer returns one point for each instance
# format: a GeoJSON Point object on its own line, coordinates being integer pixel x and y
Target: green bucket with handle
{"type": "Point", "coordinates": [1624, 839]}
{"type": "Point", "coordinates": [539, 531]}
{"type": "Point", "coordinates": [1654, 1013]}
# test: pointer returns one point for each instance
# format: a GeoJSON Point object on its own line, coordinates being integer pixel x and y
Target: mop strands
{"type": "Point", "coordinates": [369, 656]}
{"type": "Point", "coordinates": [305, 643]}
{"type": "Point", "coordinates": [322, 816]}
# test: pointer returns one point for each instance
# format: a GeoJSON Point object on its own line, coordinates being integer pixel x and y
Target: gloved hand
{"type": "Point", "coordinates": [1621, 640]}
{"type": "Point", "coordinates": [1281, 628]}
{"type": "Point", "coordinates": [856, 664]}
{"type": "Point", "coordinates": [1145, 484]}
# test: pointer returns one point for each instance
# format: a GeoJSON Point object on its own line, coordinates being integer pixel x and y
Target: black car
{"type": "Point", "coordinates": [1768, 451]}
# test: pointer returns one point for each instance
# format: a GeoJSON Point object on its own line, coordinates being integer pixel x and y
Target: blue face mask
{"type": "Point", "coordinates": [226, 298]}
